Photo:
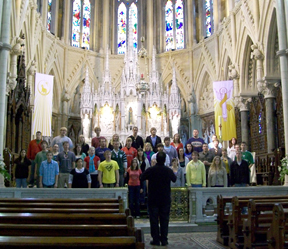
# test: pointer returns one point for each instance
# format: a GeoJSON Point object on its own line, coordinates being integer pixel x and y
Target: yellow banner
{"type": "Point", "coordinates": [225, 125]}
{"type": "Point", "coordinates": [42, 116]}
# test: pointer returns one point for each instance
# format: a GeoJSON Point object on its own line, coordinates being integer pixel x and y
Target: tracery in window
{"type": "Point", "coordinates": [179, 24]}
{"type": "Point", "coordinates": [174, 24]}
{"type": "Point", "coordinates": [81, 17]}
{"type": "Point", "coordinates": [49, 15]}
{"type": "Point", "coordinates": [127, 10]}
{"type": "Point", "coordinates": [122, 28]}
{"type": "Point", "coordinates": [208, 18]}
{"type": "Point", "coordinates": [169, 25]}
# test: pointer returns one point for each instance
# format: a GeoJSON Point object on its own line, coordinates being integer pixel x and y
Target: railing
{"type": "Point", "coordinates": [179, 204]}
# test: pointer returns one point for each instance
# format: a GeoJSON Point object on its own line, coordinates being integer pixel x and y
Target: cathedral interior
{"type": "Point", "coordinates": [177, 48]}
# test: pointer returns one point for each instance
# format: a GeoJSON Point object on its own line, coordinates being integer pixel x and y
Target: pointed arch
{"type": "Point", "coordinates": [121, 28]}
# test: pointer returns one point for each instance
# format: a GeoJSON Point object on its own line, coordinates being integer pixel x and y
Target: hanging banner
{"type": "Point", "coordinates": [42, 115]}
{"type": "Point", "coordinates": [225, 125]}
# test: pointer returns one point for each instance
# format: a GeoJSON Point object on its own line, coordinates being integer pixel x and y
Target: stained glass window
{"type": "Point", "coordinates": [260, 123]}
{"type": "Point", "coordinates": [81, 23]}
{"type": "Point", "coordinates": [76, 23]}
{"type": "Point", "coordinates": [86, 24]}
{"type": "Point", "coordinates": [122, 28]}
{"type": "Point", "coordinates": [133, 13]}
{"type": "Point", "coordinates": [179, 24]}
{"type": "Point", "coordinates": [208, 22]}
{"type": "Point", "coordinates": [49, 15]}
{"type": "Point", "coordinates": [169, 25]}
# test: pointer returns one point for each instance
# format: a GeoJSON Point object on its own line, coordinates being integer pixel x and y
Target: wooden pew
{"type": "Point", "coordinates": [61, 200]}
{"type": "Point", "coordinates": [255, 227]}
{"type": "Point", "coordinates": [56, 220]}
{"type": "Point", "coordinates": [277, 233]}
{"type": "Point", "coordinates": [223, 215]}
{"type": "Point", "coordinates": [15, 242]}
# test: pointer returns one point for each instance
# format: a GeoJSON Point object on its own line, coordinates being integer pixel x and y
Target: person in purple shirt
{"type": "Point", "coordinates": [196, 141]}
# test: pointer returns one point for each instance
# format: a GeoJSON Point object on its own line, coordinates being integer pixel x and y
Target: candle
{"type": "Point", "coordinates": [220, 125]}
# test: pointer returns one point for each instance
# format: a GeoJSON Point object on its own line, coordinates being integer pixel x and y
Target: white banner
{"type": "Point", "coordinates": [43, 104]}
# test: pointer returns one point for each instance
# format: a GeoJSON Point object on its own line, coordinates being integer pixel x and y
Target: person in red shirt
{"type": "Point", "coordinates": [129, 151]}
{"type": "Point", "coordinates": [91, 162]}
{"type": "Point", "coordinates": [134, 173]}
{"type": "Point", "coordinates": [95, 142]}
{"type": "Point", "coordinates": [176, 142]}
{"type": "Point", "coordinates": [33, 148]}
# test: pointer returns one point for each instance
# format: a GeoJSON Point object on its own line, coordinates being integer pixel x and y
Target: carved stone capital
{"type": "Point", "coordinates": [10, 83]}
{"type": "Point", "coordinates": [32, 69]}
{"type": "Point", "coordinates": [65, 96]}
{"type": "Point", "coordinates": [268, 88]}
{"type": "Point", "coordinates": [17, 47]}
{"type": "Point", "coordinates": [233, 72]}
{"type": "Point", "coordinates": [243, 103]}
{"type": "Point", "coordinates": [257, 53]}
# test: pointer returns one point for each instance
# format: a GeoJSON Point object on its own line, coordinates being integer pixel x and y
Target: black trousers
{"type": "Point", "coordinates": [156, 213]}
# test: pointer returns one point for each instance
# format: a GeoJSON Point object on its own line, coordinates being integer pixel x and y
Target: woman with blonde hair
{"type": "Point", "coordinates": [217, 175]}
{"type": "Point", "coordinates": [148, 152]}
{"type": "Point", "coordinates": [115, 137]}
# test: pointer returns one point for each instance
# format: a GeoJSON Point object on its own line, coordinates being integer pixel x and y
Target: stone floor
{"type": "Point", "coordinates": [183, 235]}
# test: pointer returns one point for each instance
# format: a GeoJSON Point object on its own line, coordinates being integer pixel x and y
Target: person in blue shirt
{"type": "Point", "coordinates": [195, 141]}
{"type": "Point", "coordinates": [49, 171]}
{"type": "Point", "coordinates": [101, 149]}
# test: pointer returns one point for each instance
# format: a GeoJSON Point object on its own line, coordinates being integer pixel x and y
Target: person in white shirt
{"type": "Point", "coordinates": [160, 147]}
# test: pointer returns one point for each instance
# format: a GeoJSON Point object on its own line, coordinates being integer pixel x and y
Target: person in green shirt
{"type": "Point", "coordinates": [195, 172]}
{"type": "Point", "coordinates": [40, 157]}
{"type": "Point", "coordinates": [120, 157]}
{"type": "Point", "coordinates": [246, 155]}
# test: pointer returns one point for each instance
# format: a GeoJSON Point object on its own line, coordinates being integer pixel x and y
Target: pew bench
{"type": "Point", "coordinates": [62, 200]}
{"type": "Point", "coordinates": [71, 219]}
{"type": "Point", "coordinates": [123, 242]}
{"type": "Point", "coordinates": [277, 234]}
{"type": "Point", "coordinates": [223, 214]}
{"type": "Point", "coordinates": [58, 210]}
{"type": "Point", "coordinates": [255, 227]}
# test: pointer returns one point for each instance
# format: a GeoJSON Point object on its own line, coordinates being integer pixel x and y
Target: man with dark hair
{"type": "Point", "coordinates": [239, 172]}
{"type": "Point", "coordinates": [101, 149]}
{"type": "Point", "coordinates": [169, 150]}
{"type": "Point", "coordinates": [154, 140]}
{"type": "Point", "coordinates": [66, 160]}
{"type": "Point", "coordinates": [49, 171]}
{"type": "Point", "coordinates": [160, 148]}
{"type": "Point", "coordinates": [196, 141]}
{"type": "Point", "coordinates": [159, 198]}
{"type": "Point", "coordinates": [137, 141]}
{"type": "Point", "coordinates": [40, 157]}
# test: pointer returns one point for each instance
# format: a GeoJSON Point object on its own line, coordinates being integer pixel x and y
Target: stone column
{"type": "Point", "coordinates": [139, 114]}
{"type": "Point", "coordinates": [256, 15]}
{"type": "Point", "coordinates": [4, 53]}
{"type": "Point", "coordinates": [282, 53]}
{"type": "Point", "coordinates": [67, 21]}
{"type": "Point", "coordinates": [269, 89]}
{"type": "Point", "coordinates": [216, 16]}
{"type": "Point", "coordinates": [106, 27]}
{"type": "Point", "coordinates": [201, 20]}
{"type": "Point", "coordinates": [150, 27]}
{"type": "Point", "coordinates": [30, 82]}
{"type": "Point", "coordinates": [243, 104]}
{"type": "Point", "coordinates": [65, 108]}
{"type": "Point", "coordinates": [191, 19]}
{"type": "Point", "coordinates": [258, 55]}
{"type": "Point", "coordinates": [15, 52]}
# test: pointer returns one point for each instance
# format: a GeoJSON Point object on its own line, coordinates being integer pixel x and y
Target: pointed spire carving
{"type": "Point", "coordinates": [86, 97]}
{"type": "Point", "coordinates": [174, 98]}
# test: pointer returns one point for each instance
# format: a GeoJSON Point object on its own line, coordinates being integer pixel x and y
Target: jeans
{"type": "Point", "coordinates": [31, 180]}
{"type": "Point", "coordinates": [134, 200]}
{"type": "Point", "coordinates": [143, 194]}
{"type": "Point", "coordinates": [121, 180]}
{"type": "Point", "coordinates": [108, 185]}
{"type": "Point", "coordinates": [162, 212]}
{"type": "Point", "coordinates": [46, 186]}
{"type": "Point", "coordinates": [21, 182]}
{"type": "Point", "coordinates": [196, 185]}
